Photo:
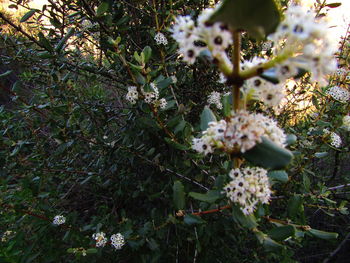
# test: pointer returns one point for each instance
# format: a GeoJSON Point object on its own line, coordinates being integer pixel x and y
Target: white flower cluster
{"type": "Point", "coordinates": [174, 79]}
{"type": "Point", "coordinates": [265, 91]}
{"type": "Point", "coordinates": [266, 46]}
{"type": "Point", "coordinates": [117, 240]}
{"type": "Point", "coordinates": [79, 250]}
{"type": "Point", "coordinates": [203, 35]}
{"type": "Point", "coordinates": [132, 95]}
{"type": "Point", "coordinates": [100, 238]}
{"type": "Point", "coordinates": [59, 220]}
{"type": "Point", "coordinates": [248, 187]}
{"type": "Point", "coordinates": [150, 97]}
{"type": "Point", "coordinates": [160, 39]}
{"type": "Point", "coordinates": [336, 141]}
{"type": "Point", "coordinates": [339, 93]}
{"type": "Point", "coordinates": [257, 88]}
{"type": "Point", "coordinates": [346, 122]}
{"type": "Point", "coordinates": [334, 138]}
{"type": "Point", "coordinates": [242, 132]}
{"type": "Point", "coordinates": [308, 40]}
{"type": "Point", "coordinates": [215, 99]}
{"type": "Point", "coordinates": [5, 236]}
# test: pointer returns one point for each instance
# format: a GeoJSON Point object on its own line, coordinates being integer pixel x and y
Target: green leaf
{"type": "Point", "coordinates": [268, 155]}
{"type": "Point", "coordinates": [227, 105]}
{"type": "Point", "coordinates": [258, 17]}
{"type": "Point", "coordinates": [210, 197]}
{"type": "Point", "coordinates": [295, 206]}
{"type": "Point", "coordinates": [5, 73]}
{"type": "Point", "coordinates": [176, 145]}
{"type": "Point", "coordinates": [178, 195]}
{"type": "Point", "coordinates": [321, 154]}
{"type": "Point", "coordinates": [45, 42]}
{"type": "Point", "coordinates": [193, 220]}
{"type": "Point", "coordinates": [323, 234]}
{"type": "Point", "coordinates": [282, 232]}
{"type": "Point", "coordinates": [206, 117]}
{"type": "Point", "coordinates": [91, 251]}
{"type": "Point", "coordinates": [248, 221]}
{"type": "Point", "coordinates": [278, 176]}
{"type": "Point", "coordinates": [102, 8]}
{"type": "Point", "coordinates": [28, 15]}
{"type": "Point", "coordinates": [147, 52]}
{"type": "Point", "coordinates": [64, 39]}
{"type": "Point", "coordinates": [333, 5]}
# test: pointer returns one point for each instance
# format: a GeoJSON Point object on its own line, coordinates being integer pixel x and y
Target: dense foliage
{"type": "Point", "coordinates": [76, 141]}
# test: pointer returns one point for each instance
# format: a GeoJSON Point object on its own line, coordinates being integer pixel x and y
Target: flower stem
{"type": "Point", "coordinates": [235, 74]}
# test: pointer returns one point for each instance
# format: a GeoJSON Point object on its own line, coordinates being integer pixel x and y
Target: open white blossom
{"type": "Point", "coordinates": [215, 99]}
{"type": "Point", "coordinates": [59, 220]}
{"type": "Point", "coordinates": [100, 238]}
{"type": "Point", "coordinates": [117, 241]}
{"type": "Point", "coordinates": [160, 39]}
{"type": "Point", "coordinates": [259, 89]}
{"type": "Point", "coordinates": [307, 40]}
{"type": "Point", "coordinates": [339, 93]}
{"type": "Point", "coordinates": [242, 132]}
{"type": "Point", "coordinates": [203, 35]}
{"type": "Point", "coordinates": [336, 141]}
{"type": "Point", "coordinates": [132, 95]}
{"type": "Point", "coordinates": [248, 187]}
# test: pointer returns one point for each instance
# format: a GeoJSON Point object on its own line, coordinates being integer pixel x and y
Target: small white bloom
{"type": "Point", "coordinates": [215, 99]}
{"type": "Point", "coordinates": [248, 187]}
{"type": "Point", "coordinates": [117, 241]}
{"type": "Point", "coordinates": [336, 141]}
{"type": "Point", "coordinates": [132, 94]}
{"type": "Point", "coordinates": [174, 79]}
{"type": "Point", "coordinates": [339, 93]}
{"type": "Point", "coordinates": [163, 103]}
{"type": "Point", "coordinates": [100, 238]}
{"type": "Point", "coordinates": [59, 220]}
{"type": "Point", "coordinates": [160, 39]}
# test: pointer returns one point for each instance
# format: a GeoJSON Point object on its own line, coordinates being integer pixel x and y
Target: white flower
{"type": "Point", "coordinates": [336, 141]}
{"type": "Point", "coordinates": [117, 241]}
{"type": "Point", "coordinates": [312, 47]}
{"type": "Point", "coordinates": [346, 122]}
{"type": "Point", "coordinates": [248, 187]}
{"type": "Point", "coordinates": [5, 235]}
{"type": "Point", "coordinates": [163, 103]}
{"type": "Point", "coordinates": [173, 79]}
{"type": "Point", "coordinates": [59, 220]}
{"type": "Point", "coordinates": [160, 39]}
{"type": "Point", "coordinates": [132, 94]}
{"type": "Point", "coordinates": [241, 132]}
{"type": "Point", "coordinates": [193, 39]}
{"type": "Point", "coordinates": [100, 238]}
{"type": "Point", "coordinates": [339, 93]}
{"type": "Point", "coordinates": [265, 91]}
{"type": "Point", "coordinates": [215, 99]}
{"type": "Point", "coordinates": [151, 96]}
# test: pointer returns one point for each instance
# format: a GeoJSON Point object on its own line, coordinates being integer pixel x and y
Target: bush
{"type": "Point", "coordinates": [110, 132]}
